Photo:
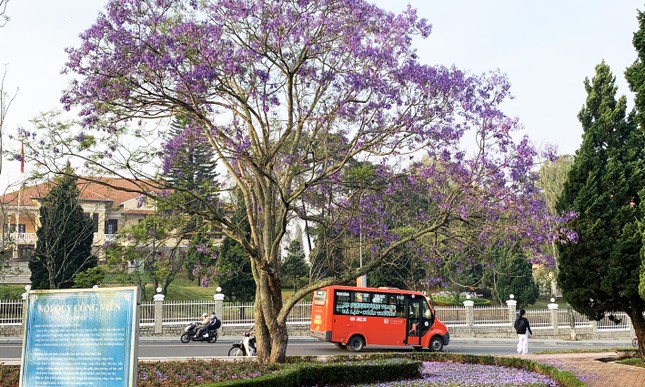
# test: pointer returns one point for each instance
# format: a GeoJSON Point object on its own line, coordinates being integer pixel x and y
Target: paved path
{"type": "Point", "coordinates": [595, 373]}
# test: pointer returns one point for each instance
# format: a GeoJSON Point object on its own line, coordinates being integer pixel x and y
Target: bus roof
{"type": "Point", "coordinates": [374, 290]}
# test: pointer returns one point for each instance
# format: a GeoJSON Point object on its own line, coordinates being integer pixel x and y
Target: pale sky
{"type": "Point", "coordinates": [546, 48]}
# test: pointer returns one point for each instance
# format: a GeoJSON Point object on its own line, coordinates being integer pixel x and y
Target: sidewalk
{"type": "Point", "coordinates": [592, 371]}
{"type": "Point", "coordinates": [587, 367]}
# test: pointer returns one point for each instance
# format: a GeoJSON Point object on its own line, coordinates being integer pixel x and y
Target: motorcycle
{"type": "Point", "coordinates": [246, 346]}
{"type": "Point", "coordinates": [189, 334]}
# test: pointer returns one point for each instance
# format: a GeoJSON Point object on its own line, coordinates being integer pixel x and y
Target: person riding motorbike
{"type": "Point", "coordinates": [203, 325]}
{"type": "Point", "coordinates": [212, 325]}
{"type": "Point", "coordinates": [251, 333]}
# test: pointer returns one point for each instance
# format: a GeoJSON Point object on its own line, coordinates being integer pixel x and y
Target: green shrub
{"type": "Point", "coordinates": [329, 373]}
{"type": "Point", "coordinates": [11, 292]}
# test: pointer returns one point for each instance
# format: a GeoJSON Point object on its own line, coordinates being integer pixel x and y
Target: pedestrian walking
{"type": "Point", "coordinates": [523, 329]}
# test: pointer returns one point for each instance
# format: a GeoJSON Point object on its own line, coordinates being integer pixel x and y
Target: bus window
{"type": "Point", "coordinates": [428, 314]}
{"type": "Point", "coordinates": [342, 302]}
{"type": "Point", "coordinates": [427, 318]}
{"type": "Point", "coordinates": [399, 302]}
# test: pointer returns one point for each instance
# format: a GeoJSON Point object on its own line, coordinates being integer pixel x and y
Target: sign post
{"type": "Point", "coordinates": [81, 337]}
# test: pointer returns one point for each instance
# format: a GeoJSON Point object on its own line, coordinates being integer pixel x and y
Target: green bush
{"type": "Point", "coordinates": [11, 292]}
{"type": "Point", "coordinates": [450, 300]}
{"type": "Point", "coordinates": [329, 373]}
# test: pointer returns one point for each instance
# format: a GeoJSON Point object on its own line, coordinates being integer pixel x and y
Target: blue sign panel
{"type": "Point", "coordinates": [80, 337]}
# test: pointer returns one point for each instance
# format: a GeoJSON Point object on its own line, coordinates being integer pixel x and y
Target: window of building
{"type": "Point", "coordinates": [25, 253]}
{"type": "Point", "coordinates": [11, 228]}
{"type": "Point", "coordinates": [111, 226]}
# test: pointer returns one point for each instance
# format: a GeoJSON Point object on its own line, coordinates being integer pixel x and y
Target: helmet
{"type": "Point", "coordinates": [205, 314]}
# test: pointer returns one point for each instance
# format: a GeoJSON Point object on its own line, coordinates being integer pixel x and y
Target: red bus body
{"type": "Point", "coordinates": [354, 317]}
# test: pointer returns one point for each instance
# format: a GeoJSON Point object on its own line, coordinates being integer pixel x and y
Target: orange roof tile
{"type": "Point", "coordinates": [116, 190]}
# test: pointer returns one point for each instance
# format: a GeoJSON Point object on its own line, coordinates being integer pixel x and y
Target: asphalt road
{"type": "Point", "coordinates": [172, 348]}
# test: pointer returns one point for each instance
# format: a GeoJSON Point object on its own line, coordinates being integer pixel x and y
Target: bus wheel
{"type": "Point", "coordinates": [356, 344]}
{"type": "Point", "coordinates": [436, 344]}
{"type": "Point", "coordinates": [340, 345]}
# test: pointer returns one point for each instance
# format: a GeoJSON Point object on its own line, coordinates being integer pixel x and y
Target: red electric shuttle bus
{"type": "Point", "coordinates": [353, 317]}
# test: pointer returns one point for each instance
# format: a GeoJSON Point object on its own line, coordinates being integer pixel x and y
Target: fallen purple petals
{"type": "Point", "coordinates": [464, 374]}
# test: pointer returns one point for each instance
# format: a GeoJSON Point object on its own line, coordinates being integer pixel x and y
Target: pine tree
{"type": "Point", "coordinates": [294, 267]}
{"type": "Point", "coordinates": [599, 274]}
{"type": "Point", "coordinates": [64, 247]}
{"type": "Point", "coordinates": [512, 273]}
{"type": "Point", "coordinates": [193, 164]}
{"type": "Point", "coordinates": [635, 75]}
{"type": "Point", "coordinates": [192, 175]}
{"type": "Point", "coordinates": [234, 273]}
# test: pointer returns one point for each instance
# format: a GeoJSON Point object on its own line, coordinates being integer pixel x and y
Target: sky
{"type": "Point", "coordinates": [546, 48]}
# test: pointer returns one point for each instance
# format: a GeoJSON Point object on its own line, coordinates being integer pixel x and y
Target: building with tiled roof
{"type": "Point", "coordinates": [113, 203]}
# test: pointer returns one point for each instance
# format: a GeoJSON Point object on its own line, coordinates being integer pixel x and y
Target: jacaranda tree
{"type": "Point", "coordinates": [287, 93]}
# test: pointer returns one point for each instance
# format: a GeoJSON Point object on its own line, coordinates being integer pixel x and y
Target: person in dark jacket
{"type": "Point", "coordinates": [523, 329]}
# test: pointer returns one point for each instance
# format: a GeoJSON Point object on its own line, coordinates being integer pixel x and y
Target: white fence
{"type": "Point", "coordinates": [167, 316]}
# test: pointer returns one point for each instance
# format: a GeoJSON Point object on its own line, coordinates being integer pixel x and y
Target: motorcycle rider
{"type": "Point", "coordinates": [251, 333]}
{"type": "Point", "coordinates": [203, 326]}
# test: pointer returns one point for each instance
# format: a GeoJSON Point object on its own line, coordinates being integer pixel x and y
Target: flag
{"type": "Point", "coordinates": [22, 157]}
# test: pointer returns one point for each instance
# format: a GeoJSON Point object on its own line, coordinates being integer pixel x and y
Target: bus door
{"type": "Point", "coordinates": [341, 316]}
{"type": "Point", "coordinates": [414, 315]}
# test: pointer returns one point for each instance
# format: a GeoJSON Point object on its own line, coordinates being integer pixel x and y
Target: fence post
{"type": "Point", "coordinates": [594, 329]}
{"type": "Point", "coordinates": [24, 308]}
{"type": "Point", "coordinates": [512, 310]}
{"type": "Point", "coordinates": [553, 307]}
{"type": "Point", "coordinates": [470, 318]}
{"type": "Point", "coordinates": [158, 298]}
{"type": "Point", "coordinates": [218, 297]}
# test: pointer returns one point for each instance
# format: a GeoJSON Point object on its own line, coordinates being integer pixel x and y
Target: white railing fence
{"type": "Point", "coordinates": [11, 312]}
{"type": "Point", "coordinates": [162, 316]}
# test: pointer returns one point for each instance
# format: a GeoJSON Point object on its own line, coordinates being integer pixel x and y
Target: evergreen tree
{"type": "Point", "coordinates": [599, 274]}
{"type": "Point", "coordinates": [294, 267]}
{"type": "Point", "coordinates": [512, 273]}
{"type": "Point", "coordinates": [192, 164]}
{"type": "Point", "coordinates": [387, 276]}
{"type": "Point", "coordinates": [191, 172]}
{"type": "Point", "coordinates": [234, 273]}
{"type": "Point", "coordinates": [64, 246]}
{"type": "Point", "coordinates": [406, 271]}
{"type": "Point", "coordinates": [635, 75]}
{"type": "Point", "coordinates": [327, 256]}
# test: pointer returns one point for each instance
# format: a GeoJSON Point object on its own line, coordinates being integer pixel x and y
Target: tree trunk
{"type": "Point", "coordinates": [271, 331]}
{"type": "Point", "coordinates": [279, 341]}
{"type": "Point", "coordinates": [639, 327]}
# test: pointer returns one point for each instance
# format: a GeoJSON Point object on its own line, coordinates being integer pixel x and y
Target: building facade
{"type": "Point", "coordinates": [113, 204]}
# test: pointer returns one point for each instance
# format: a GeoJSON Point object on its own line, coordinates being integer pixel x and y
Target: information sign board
{"type": "Point", "coordinates": [80, 337]}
